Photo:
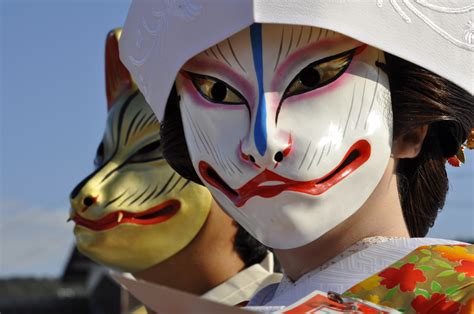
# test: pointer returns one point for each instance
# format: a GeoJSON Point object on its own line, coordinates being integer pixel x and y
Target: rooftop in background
{"type": "Point", "coordinates": [83, 288]}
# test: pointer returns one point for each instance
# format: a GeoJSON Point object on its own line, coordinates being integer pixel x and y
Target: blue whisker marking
{"type": "Point", "coordinates": [260, 128]}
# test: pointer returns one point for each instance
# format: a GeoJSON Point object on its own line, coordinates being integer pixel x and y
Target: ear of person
{"type": "Point", "coordinates": [408, 145]}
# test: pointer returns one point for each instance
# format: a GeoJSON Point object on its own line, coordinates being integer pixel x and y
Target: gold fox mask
{"type": "Point", "coordinates": [134, 210]}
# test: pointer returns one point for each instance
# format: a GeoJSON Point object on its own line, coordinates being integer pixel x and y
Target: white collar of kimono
{"type": "Point", "coordinates": [357, 263]}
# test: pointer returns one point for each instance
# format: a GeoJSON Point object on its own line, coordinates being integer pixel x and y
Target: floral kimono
{"type": "Point", "coordinates": [435, 276]}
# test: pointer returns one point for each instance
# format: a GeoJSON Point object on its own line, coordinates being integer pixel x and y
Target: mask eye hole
{"type": "Point", "coordinates": [309, 77]}
{"type": "Point", "coordinates": [219, 92]}
{"type": "Point", "coordinates": [319, 73]}
{"type": "Point", "coordinates": [215, 90]}
{"type": "Point", "coordinates": [150, 152]}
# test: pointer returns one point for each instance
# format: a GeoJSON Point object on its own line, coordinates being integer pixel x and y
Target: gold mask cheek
{"type": "Point", "coordinates": [134, 247]}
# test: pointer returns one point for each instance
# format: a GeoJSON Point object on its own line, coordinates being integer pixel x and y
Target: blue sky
{"type": "Point", "coordinates": [53, 112]}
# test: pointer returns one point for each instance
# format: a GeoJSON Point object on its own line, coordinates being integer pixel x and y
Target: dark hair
{"type": "Point", "coordinates": [249, 249]}
{"type": "Point", "coordinates": [175, 149]}
{"type": "Point", "coordinates": [419, 97]}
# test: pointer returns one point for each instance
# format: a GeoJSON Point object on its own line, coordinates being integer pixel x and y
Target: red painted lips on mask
{"type": "Point", "coordinates": [154, 215]}
{"type": "Point", "coordinates": [356, 156]}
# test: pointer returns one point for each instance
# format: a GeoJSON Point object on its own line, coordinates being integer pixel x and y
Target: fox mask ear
{"type": "Point", "coordinates": [117, 77]}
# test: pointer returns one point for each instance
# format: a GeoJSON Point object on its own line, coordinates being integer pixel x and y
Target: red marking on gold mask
{"type": "Point", "coordinates": [154, 215]}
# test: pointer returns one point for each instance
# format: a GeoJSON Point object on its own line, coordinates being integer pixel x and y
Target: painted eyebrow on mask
{"type": "Point", "coordinates": [296, 36]}
{"type": "Point", "coordinates": [219, 52]}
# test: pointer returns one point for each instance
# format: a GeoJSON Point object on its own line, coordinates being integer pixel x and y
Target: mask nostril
{"type": "Point", "coordinates": [251, 158]}
{"type": "Point", "coordinates": [88, 201]}
{"type": "Point", "coordinates": [278, 157]}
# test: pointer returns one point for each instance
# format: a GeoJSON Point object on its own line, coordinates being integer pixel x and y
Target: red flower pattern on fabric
{"type": "Point", "coordinates": [407, 277]}
{"type": "Point", "coordinates": [466, 267]}
{"type": "Point", "coordinates": [436, 305]}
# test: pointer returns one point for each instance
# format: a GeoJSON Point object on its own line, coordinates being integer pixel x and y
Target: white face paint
{"type": "Point", "coordinates": [289, 127]}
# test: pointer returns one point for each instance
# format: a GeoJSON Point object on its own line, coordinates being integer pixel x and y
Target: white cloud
{"type": "Point", "coordinates": [34, 241]}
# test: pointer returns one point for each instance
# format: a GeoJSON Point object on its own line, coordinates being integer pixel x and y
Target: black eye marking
{"type": "Point", "coordinates": [319, 74]}
{"type": "Point", "coordinates": [99, 156]}
{"type": "Point", "coordinates": [215, 90]}
{"type": "Point", "coordinates": [149, 148]}
{"type": "Point", "coordinates": [150, 152]}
